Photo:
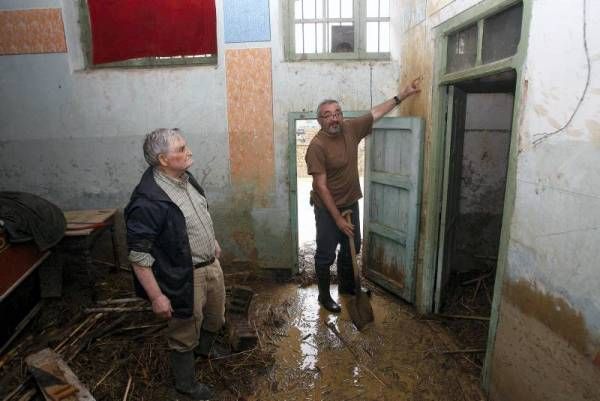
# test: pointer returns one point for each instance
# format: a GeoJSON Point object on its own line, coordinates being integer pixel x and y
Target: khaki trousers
{"type": "Point", "coordinates": [209, 309]}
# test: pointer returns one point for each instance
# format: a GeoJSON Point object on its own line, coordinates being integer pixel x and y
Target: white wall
{"type": "Point", "coordinates": [552, 273]}
{"type": "Point", "coordinates": [557, 211]}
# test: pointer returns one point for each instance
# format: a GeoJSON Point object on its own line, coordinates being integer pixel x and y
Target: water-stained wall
{"type": "Point", "coordinates": [547, 344]}
{"type": "Point", "coordinates": [550, 313]}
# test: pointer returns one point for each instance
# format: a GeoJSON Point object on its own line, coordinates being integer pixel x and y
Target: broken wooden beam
{"type": "Point", "coordinates": [55, 378]}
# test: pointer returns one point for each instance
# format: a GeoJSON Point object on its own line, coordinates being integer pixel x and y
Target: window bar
{"type": "Point", "coordinates": [340, 16]}
{"type": "Point", "coordinates": [302, 16]}
{"type": "Point", "coordinates": [316, 23]}
{"type": "Point", "coordinates": [479, 42]}
{"type": "Point", "coordinates": [378, 26]}
{"type": "Point", "coordinates": [326, 27]}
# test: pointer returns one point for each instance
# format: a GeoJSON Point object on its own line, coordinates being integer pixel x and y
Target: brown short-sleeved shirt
{"type": "Point", "coordinates": [337, 157]}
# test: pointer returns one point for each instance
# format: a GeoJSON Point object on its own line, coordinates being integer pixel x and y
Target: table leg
{"type": "Point", "coordinates": [113, 236]}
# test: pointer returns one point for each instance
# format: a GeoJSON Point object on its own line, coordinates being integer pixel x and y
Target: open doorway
{"type": "Point", "coordinates": [478, 136]}
{"type": "Point", "coordinates": [305, 130]}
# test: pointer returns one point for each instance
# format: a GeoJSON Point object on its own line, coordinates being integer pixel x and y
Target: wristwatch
{"type": "Point", "coordinates": [397, 100]}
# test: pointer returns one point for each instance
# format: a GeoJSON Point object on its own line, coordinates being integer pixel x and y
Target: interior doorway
{"type": "Point", "coordinates": [478, 136]}
{"type": "Point", "coordinates": [305, 130]}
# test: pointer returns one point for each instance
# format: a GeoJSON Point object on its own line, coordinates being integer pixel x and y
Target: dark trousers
{"type": "Point", "coordinates": [328, 238]}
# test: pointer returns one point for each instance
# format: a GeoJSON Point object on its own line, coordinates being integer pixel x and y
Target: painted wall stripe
{"type": "Point", "coordinates": [32, 31]}
{"type": "Point", "coordinates": [250, 118]}
{"type": "Point", "coordinates": [246, 21]}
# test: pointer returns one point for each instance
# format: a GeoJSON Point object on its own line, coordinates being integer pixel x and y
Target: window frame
{"type": "Point", "coordinates": [480, 68]}
{"type": "Point", "coordinates": [145, 62]}
{"type": "Point", "coordinates": [359, 20]}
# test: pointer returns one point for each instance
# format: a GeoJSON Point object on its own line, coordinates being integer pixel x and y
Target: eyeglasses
{"type": "Point", "coordinates": [329, 116]}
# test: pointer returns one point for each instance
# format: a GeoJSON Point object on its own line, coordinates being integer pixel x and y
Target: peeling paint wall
{"type": "Point", "coordinates": [548, 339]}
{"type": "Point", "coordinates": [552, 275]}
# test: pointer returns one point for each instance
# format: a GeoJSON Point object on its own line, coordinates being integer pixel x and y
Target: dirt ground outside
{"type": "Point", "coordinates": [303, 352]}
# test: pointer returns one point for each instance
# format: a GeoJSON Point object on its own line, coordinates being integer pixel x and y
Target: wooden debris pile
{"type": "Point", "coordinates": [117, 349]}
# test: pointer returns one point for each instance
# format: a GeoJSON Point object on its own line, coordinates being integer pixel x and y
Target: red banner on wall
{"type": "Point", "coordinates": [126, 29]}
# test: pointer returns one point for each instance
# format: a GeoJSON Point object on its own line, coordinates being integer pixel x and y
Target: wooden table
{"type": "Point", "coordinates": [19, 288]}
{"type": "Point", "coordinates": [83, 229]}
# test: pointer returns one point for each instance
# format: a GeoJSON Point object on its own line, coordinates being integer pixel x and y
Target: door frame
{"type": "Point", "coordinates": [434, 196]}
{"type": "Point", "coordinates": [451, 159]}
{"type": "Point", "coordinates": [293, 177]}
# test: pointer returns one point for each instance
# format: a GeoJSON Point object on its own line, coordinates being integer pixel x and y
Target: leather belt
{"type": "Point", "coordinates": [204, 264]}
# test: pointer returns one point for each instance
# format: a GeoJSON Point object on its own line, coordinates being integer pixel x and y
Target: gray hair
{"type": "Point", "coordinates": [157, 142]}
{"type": "Point", "coordinates": [325, 102]}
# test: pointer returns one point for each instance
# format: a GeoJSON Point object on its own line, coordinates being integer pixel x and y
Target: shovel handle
{"type": "Point", "coordinates": [348, 216]}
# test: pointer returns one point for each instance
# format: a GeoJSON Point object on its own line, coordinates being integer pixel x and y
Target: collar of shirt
{"type": "Point", "coordinates": [179, 182]}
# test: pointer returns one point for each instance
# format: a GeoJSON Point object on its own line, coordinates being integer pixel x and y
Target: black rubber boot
{"type": "Point", "coordinates": [182, 364]}
{"type": "Point", "coordinates": [325, 299]}
{"type": "Point", "coordinates": [208, 347]}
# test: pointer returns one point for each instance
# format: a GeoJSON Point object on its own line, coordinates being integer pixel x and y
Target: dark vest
{"type": "Point", "coordinates": [156, 225]}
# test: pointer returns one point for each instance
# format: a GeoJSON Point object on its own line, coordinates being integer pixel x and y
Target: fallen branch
{"type": "Point", "coordinates": [28, 395]}
{"type": "Point", "coordinates": [476, 279]}
{"type": "Point", "coordinates": [17, 389]}
{"type": "Point", "coordinates": [127, 389]}
{"type": "Point", "coordinates": [464, 351]}
{"type": "Point", "coordinates": [335, 331]}
{"type": "Point", "coordinates": [112, 369]}
{"type": "Point", "coordinates": [119, 301]}
{"type": "Point", "coordinates": [101, 262]}
{"type": "Point", "coordinates": [143, 326]}
{"type": "Point", "coordinates": [63, 342]}
{"type": "Point", "coordinates": [466, 317]}
{"type": "Point", "coordinates": [80, 336]}
{"type": "Point", "coordinates": [118, 309]}
{"type": "Point", "coordinates": [96, 333]}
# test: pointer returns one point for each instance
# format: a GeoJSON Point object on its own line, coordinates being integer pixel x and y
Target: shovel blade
{"type": "Point", "coordinates": [360, 310]}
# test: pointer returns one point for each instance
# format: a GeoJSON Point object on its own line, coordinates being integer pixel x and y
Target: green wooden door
{"type": "Point", "coordinates": [393, 165]}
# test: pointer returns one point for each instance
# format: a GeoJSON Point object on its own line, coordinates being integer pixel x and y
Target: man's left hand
{"type": "Point", "coordinates": [411, 89]}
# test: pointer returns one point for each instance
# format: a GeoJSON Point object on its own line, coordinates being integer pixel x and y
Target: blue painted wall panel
{"type": "Point", "coordinates": [247, 21]}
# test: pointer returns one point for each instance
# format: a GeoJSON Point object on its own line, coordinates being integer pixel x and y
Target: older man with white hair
{"type": "Point", "coordinates": [174, 254]}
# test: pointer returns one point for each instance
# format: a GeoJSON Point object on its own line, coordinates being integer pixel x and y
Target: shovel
{"type": "Point", "coordinates": [359, 307]}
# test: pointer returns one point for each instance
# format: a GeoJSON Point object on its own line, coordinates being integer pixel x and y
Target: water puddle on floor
{"type": "Point", "coordinates": [393, 358]}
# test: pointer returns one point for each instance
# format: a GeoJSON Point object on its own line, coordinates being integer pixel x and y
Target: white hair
{"type": "Point", "coordinates": [157, 142]}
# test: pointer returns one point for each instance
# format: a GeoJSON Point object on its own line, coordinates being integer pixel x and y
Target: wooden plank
{"type": "Point", "coordinates": [84, 222]}
{"type": "Point", "coordinates": [55, 379]}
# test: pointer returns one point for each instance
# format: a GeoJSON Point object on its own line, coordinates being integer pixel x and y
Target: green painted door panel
{"type": "Point", "coordinates": [393, 168]}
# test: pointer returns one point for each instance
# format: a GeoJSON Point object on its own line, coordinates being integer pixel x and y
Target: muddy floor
{"type": "Point", "coordinates": [303, 352]}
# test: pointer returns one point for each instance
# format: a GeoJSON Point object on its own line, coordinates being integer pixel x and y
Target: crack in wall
{"type": "Point", "coordinates": [541, 137]}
